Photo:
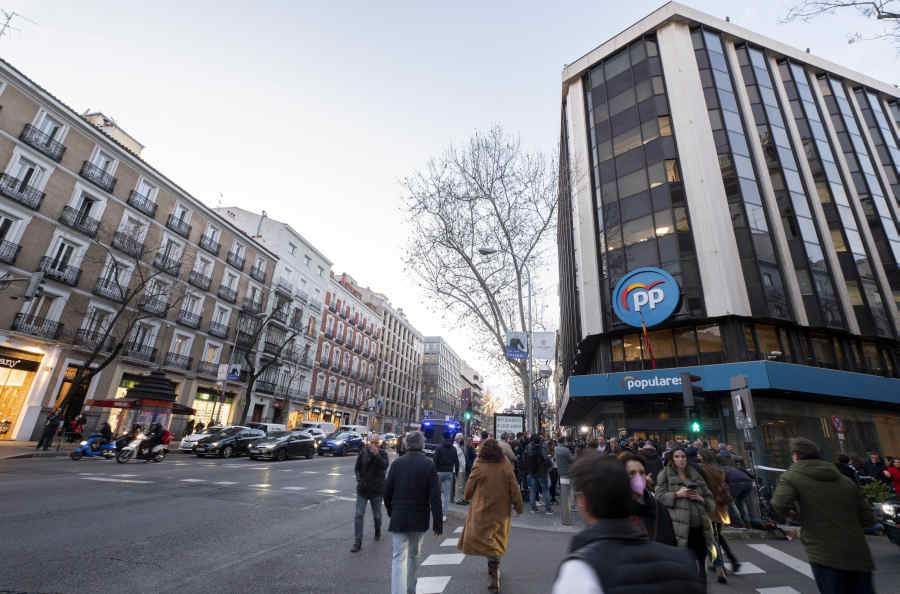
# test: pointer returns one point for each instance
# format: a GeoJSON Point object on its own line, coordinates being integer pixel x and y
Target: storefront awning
{"type": "Point", "coordinates": [180, 409]}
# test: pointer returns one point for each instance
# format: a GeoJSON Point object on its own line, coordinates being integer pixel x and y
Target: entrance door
{"type": "Point", "coordinates": [14, 386]}
{"type": "Point", "coordinates": [257, 412]}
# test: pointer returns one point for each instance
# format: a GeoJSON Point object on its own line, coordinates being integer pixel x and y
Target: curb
{"type": "Point", "coordinates": [37, 455]}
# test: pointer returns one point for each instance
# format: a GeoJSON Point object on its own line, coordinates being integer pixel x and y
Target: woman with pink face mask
{"type": "Point", "coordinates": [648, 510]}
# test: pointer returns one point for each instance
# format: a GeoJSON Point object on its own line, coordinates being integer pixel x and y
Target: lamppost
{"type": "Point", "coordinates": [529, 422]}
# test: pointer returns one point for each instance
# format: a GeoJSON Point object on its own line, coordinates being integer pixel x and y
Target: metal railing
{"type": "Point", "coordinates": [178, 226]}
{"type": "Point", "coordinates": [227, 293]}
{"type": "Point", "coordinates": [8, 251]}
{"type": "Point", "coordinates": [18, 190]}
{"type": "Point", "coordinates": [258, 273]}
{"type": "Point", "coordinates": [37, 326]}
{"type": "Point", "coordinates": [188, 318]}
{"type": "Point", "coordinates": [210, 245]}
{"type": "Point", "coordinates": [280, 314]}
{"type": "Point", "coordinates": [92, 338]}
{"type": "Point", "coordinates": [178, 361]}
{"type": "Point", "coordinates": [79, 221]}
{"type": "Point", "coordinates": [98, 176]}
{"type": "Point", "coordinates": [167, 264]}
{"type": "Point", "coordinates": [110, 289]}
{"type": "Point", "coordinates": [153, 305]}
{"type": "Point", "coordinates": [64, 274]}
{"type": "Point", "coordinates": [235, 260]}
{"type": "Point", "coordinates": [199, 280]}
{"type": "Point", "coordinates": [42, 142]}
{"type": "Point", "coordinates": [252, 306]}
{"type": "Point", "coordinates": [208, 369]}
{"type": "Point", "coordinates": [142, 352]}
{"type": "Point", "coordinates": [142, 203]}
{"type": "Point", "coordinates": [217, 329]}
{"type": "Point", "coordinates": [127, 243]}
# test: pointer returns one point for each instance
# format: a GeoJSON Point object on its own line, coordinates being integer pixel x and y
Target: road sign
{"type": "Point", "coordinates": [516, 345]}
{"type": "Point", "coordinates": [837, 424]}
{"type": "Point", "coordinates": [234, 372]}
{"type": "Point", "coordinates": [508, 424]}
{"type": "Point", "coordinates": [222, 373]}
{"type": "Point", "coordinates": [742, 402]}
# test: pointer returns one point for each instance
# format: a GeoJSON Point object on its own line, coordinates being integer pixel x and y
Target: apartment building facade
{"type": "Point", "coordinates": [473, 380]}
{"type": "Point", "coordinates": [283, 393]}
{"type": "Point", "coordinates": [757, 185]}
{"type": "Point", "coordinates": [100, 223]}
{"type": "Point", "coordinates": [343, 387]}
{"type": "Point", "coordinates": [441, 380]}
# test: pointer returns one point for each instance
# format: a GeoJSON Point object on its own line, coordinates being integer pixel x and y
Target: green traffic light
{"type": "Point", "coordinates": [695, 427]}
{"type": "Point", "coordinates": [467, 415]}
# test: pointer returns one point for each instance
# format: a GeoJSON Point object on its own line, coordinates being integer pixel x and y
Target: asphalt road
{"type": "Point", "coordinates": [213, 525]}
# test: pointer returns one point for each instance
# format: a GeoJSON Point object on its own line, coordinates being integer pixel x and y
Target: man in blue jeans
{"type": "Point", "coordinates": [539, 465]}
{"type": "Point", "coordinates": [411, 493]}
{"type": "Point", "coordinates": [371, 465]}
{"type": "Point", "coordinates": [447, 463]}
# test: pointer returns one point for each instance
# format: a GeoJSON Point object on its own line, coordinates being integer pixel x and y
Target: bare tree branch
{"type": "Point", "coordinates": [887, 11]}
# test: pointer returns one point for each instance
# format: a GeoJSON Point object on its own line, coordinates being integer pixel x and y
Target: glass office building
{"type": "Point", "coordinates": [765, 181]}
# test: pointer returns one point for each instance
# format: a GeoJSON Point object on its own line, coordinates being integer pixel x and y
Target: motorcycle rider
{"type": "Point", "coordinates": [104, 436]}
{"type": "Point", "coordinates": [154, 438]}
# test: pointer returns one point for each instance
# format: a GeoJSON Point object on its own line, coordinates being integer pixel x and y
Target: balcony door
{"type": "Point", "coordinates": [102, 161]}
{"type": "Point", "coordinates": [86, 208]}
{"type": "Point", "coordinates": [39, 310]}
{"type": "Point", "coordinates": [97, 322]}
{"type": "Point", "coordinates": [51, 127]}
{"type": "Point", "coordinates": [143, 336]}
{"type": "Point", "coordinates": [27, 173]}
{"type": "Point", "coordinates": [63, 256]}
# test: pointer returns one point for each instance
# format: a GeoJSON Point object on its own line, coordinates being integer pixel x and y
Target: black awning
{"type": "Point", "coordinates": [180, 409]}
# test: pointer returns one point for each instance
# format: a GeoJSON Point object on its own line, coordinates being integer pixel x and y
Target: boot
{"type": "Point", "coordinates": [377, 532]}
{"type": "Point", "coordinates": [494, 570]}
{"type": "Point", "coordinates": [720, 575]}
{"type": "Point", "coordinates": [356, 546]}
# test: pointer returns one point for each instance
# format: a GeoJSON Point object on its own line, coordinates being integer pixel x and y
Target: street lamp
{"type": "Point", "coordinates": [529, 424]}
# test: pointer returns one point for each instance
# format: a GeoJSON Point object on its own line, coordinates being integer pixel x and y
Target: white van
{"type": "Point", "coordinates": [363, 430]}
{"type": "Point", "coordinates": [267, 427]}
{"type": "Point", "coordinates": [326, 428]}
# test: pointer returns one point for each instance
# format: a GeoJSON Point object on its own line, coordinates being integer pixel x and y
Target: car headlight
{"type": "Point", "coordinates": [888, 508]}
{"type": "Point", "coordinates": [268, 446]}
{"type": "Point", "coordinates": [83, 443]}
{"type": "Point", "coordinates": [339, 442]}
{"type": "Point", "coordinates": [215, 444]}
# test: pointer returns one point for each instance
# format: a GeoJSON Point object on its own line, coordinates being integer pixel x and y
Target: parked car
{"type": "Point", "coordinates": [340, 443]}
{"type": "Point", "coordinates": [231, 441]}
{"type": "Point", "coordinates": [267, 428]}
{"type": "Point", "coordinates": [281, 445]}
{"type": "Point", "coordinates": [361, 429]}
{"type": "Point", "coordinates": [390, 440]}
{"type": "Point", "coordinates": [316, 433]}
{"type": "Point", "coordinates": [189, 441]}
{"type": "Point", "coordinates": [323, 426]}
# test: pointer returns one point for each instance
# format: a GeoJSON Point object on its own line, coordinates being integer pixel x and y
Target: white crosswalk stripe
{"type": "Point", "coordinates": [778, 590]}
{"type": "Point", "coordinates": [225, 483]}
{"type": "Point", "coordinates": [294, 488]}
{"type": "Point", "coordinates": [746, 568]}
{"type": "Point", "coordinates": [783, 558]}
{"type": "Point", "coordinates": [449, 542]}
{"type": "Point", "coordinates": [193, 480]}
{"type": "Point", "coordinates": [114, 480]}
{"type": "Point", "coordinates": [432, 585]}
{"type": "Point", "coordinates": [458, 530]}
{"type": "Point", "coordinates": [445, 559]}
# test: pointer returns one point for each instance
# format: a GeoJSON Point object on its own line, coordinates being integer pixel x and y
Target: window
{"type": "Point", "coordinates": [27, 173]}
{"type": "Point", "coordinates": [103, 161]}
{"type": "Point", "coordinates": [238, 249]}
{"type": "Point", "coordinates": [192, 303]}
{"type": "Point", "coordinates": [63, 255]}
{"type": "Point", "coordinates": [181, 213]}
{"type": "Point", "coordinates": [321, 271]}
{"type": "Point", "coordinates": [672, 174]}
{"type": "Point", "coordinates": [87, 207]}
{"type": "Point", "coordinates": [12, 226]}
{"type": "Point", "coordinates": [213, 233]}
{"type": "Point", "coordinates": [51, 127]}
{"type": "Point", "coordinates": [97, 320]}
{"type": "Point", "coordinates": [146, 189]}
{"type": "Point", "coordinates": [42, 308]}
{"type": "Point", "coordinates": [203, 266]}
{"type": "Point", "coordinates": [665, 125]}
{"type": "Point", "coordinates": [230, 281]}
{"type": "Point", "coordinates": [171, 249]}
{"type": "Point", "coordinates": [307, 259]}
{"type": "Point", "coordinates": [181, 344]}
{"type": "Point", "coordinates": [221, 315]}
{"type": "Point", "coordinates": [133, 228]}
{"type": "Point", "coordinates": [292, 248]}
{"type": "Point", "coordinates": [211, 353]}
{"type": "Point", "coordinates": [143, 335]}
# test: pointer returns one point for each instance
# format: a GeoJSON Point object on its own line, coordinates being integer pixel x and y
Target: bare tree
{"type": "Point", "coordinates": [138, 286]}
{"type": "Point", "coordinates": [880, 10]}
{"type": "Point", "coordinates": [489, 193]}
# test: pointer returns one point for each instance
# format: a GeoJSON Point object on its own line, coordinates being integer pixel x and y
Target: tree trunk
{"type": "Point", "coordinates": [251, 380]}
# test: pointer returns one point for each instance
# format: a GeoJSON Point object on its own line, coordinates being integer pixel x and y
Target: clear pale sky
{"type": "Point", "coordinates": [315, 111]}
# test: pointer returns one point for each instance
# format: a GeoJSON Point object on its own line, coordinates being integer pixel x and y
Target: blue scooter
{"type": "Point", "coordinates": [87, 448]}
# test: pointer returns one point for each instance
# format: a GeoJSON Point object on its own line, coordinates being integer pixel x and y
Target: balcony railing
{"type": "Point", "coordinates": [328, 334]}
{"type": "Point", "coordinates": [8, 251]}
{"type": "Point", "coordinates": [42, 142]}
{"type": "Point", "coordinates": [110, 289]}
{"type": "Point", "coordinates": [91, 338]}
{"type": "Point", "coordinates": [128, 243]}
{"type": "Point", "coordinates": [64, 274]}
{"type": "Point", "coordinates": [283, 286]}
{"type": "Point", "coordinates": [142, 203]}
{"type": "Point", "coordinates": [271, 347]}
{"type": "Point", "coordinates": [217, 329]}
{"type": "Point", "coordinates": [167, 264]}
{"type": "Point", "coordinates": [21, 192]}
{"type": "Point", "coordinates": [79, 221]}
{"type": "Point", "coordinates": [37, 326]}
{"type": "Point", "coordinates": [258, 273]}
{"type": "Point", "coordinates": [188, 318]}
{"type": "Point", "coordinates": [235, 260]}
{"type": "Point", "coordinates": [316, 305]}
{"type": "Point", "coordinates": [244, 339]}
{"type": "Point", "coordinates": [252, 306]}
{"type": "Point", "coordinates": [142, 352]}
{"type": "Point", "coordinates": [301, 295]}
{"type": "Point", "coordinates": [332, 306]}
{"type": "Point", "coordinates": [98, 176]}
{"type": "Point", "coordinates": [199, 280]}
{"type": "Point", "coordinates": [297, 322]}
{"type": "Point", "coordinates": [178, 226]}
{"type": "Point", "coordinates": [178, 361]}
{"type": "Point", "coordinates": [227, 293]}
{"type": "Point", "coordinates": [208, 243]}
{"type": "Point", "coordinates": [343, 313]}
{"type": "Point", "coordinates": [280, 315]}
{"type": "Point", "coordinates": [208, 369]}
{"type": "Point", "coordinates": [153, 305]}
{"type": "Point", "coordinates": [339, 339]}
{"type": "Point", "coordinates": [265, 386]}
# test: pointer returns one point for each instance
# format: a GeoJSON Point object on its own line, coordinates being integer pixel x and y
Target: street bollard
{"type": "Point", "coordinates": [565, 501]}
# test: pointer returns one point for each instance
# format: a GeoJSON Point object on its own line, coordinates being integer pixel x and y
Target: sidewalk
{"type": "Point", "coordinates": [25, 449]}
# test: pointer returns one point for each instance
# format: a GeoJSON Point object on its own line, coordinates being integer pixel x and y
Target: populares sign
{"type": "Point", "coordinates": [646, 297]}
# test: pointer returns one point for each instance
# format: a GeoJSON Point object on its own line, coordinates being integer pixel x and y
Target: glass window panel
{"type": "Point", "coordinates": [642, 254]}
{"type": "Point", "coordinates": [657, 174]}
{"type": "Point", "coordinates": [712, 42]}
{"type": "Point", "coordinates": [756, 217]}
{"type": "Point", "coordinates": [665, 125]}
{"type": "Point", "coordinates": [685, 342]}
{"type": "Point", "coordinates": [717, 62]}
{"type": "Point", "coordinates": [854, 241]}
{"type": "Point", "coordinates": [604, 151]}
{"type": "Point", "coordinates": [732, 121]}
{"type": "Point", "coordinates": [709, 338]}
{"type": "Point", "coordinates": [608, 192]}
{"type": "Point", "coordinates": [681, 219]}
{"type": "Point", "coordinates": [749, 341]}
{"type": "Point", "coordinates": [636, 206]}
{"type": "Point", "coordinates": [807, 229]}
{"type": "Point", "coordinates": [632, 344]}
{"type": "Point", "coordinates": [663, 221]}
{"type": "Point", "coordinates": [749, 191]}
{"type": "Point", "coordinates": [658, 86]}
{"type": "Point", "coordinates": [617, 65]}
{"type": "Point", "coordinates": [815, 256]}
{"type": "Point", "coordinates": [649, 130]}
{"type": "Point", "coordinates": [621, 102]}
{"type": "Point", "coordinates": [800, 205]}
{"type": "Point", "coordinates": [638, 230]}
{"type": "Point", "coordinates": [743, 166]}
{"type": "Point", "coordinates": [651, 47]}
{"type": "Point", "coordinates": [662, 344]}
{"type": "Point", "coordinates": [644, 90]}
{"type": "Point", "coordinates": [627, 141]}
{"type": "Point", "coordinates": [726, 98]}
{"type": "Point", "coordinates": [618, 353]}
{"type": "Point", "coordinates": [765, 250]}
{"type": "Point", "coordinates": [672, 173]}
{"type": "Point", "coordinates": [632, 183]}
{"type": "Point", "coordinates": [837, 238]}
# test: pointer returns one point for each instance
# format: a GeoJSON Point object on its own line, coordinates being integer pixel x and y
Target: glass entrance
{"type": "Point", "coordinates": [17, 370]}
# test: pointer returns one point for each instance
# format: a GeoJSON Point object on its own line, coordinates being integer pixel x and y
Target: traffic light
{"type": "Point", "coordinates": [689, 389]}
{"type": "Point", "coordinates": [35, 286]}
{"type": "Point", "coordinates": [467, 415]}
{"type": "Point", "coordinates": [696, 427]}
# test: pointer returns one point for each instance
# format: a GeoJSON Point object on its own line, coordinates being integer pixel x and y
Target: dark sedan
{"type": "Point", "coordinates": [340, 443]}
{"type": "Point", "coordinates": [232, 441]}
{"type": "Point", "coordinates": [281, 445]}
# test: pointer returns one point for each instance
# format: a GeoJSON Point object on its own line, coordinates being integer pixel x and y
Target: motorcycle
{"type": "Point", "coordinates": [157, 454]}
{"type": "Point", "coordinates": [90, 448]}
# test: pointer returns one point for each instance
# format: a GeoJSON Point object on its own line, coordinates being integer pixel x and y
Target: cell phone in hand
{"type": "Point", "coordinates": [691, 486]}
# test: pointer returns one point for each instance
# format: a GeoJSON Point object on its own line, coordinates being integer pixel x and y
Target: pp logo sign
{"type": "Point", "coordinates": [650, 295]}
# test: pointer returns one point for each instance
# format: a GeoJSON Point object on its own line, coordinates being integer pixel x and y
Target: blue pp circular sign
{"type": "Point", "coordinates": [647, 295]}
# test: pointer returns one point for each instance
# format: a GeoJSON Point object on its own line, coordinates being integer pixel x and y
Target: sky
{"type": "Point", "coordinates": [315, 111]}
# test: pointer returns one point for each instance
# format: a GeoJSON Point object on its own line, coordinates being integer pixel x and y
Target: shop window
{"type": "Point", "coordinates": [663, 347]}
{"type": "Point", "coordinates": [767, 337]}
{"type": "Point", "coordinates": [16, 377]}
{"type": "Point", "coordinates": [872, 357]}
{"type": "Point", "coordinates": [822, 351]}
{"type": "Point", "coordinates": [632, 344]}
{"type": "Point", "coordinates": [685, 346]}
{"type": "Point", "coordinates": [750, 342]}
{"type": "Point", "coordinates": [709, 340]}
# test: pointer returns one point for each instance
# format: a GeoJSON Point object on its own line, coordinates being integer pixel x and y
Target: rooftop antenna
{"type": "Point", "coordinates": [7, 19]}
{"type": "Point", "coordinates": [221, 199]}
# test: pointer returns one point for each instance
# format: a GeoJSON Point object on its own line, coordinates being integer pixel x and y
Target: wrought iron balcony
{"type": "Point", "coordinates": [97, 176]}
{"type": "Point", "coordinates": [266, 386]}
{"type": "Point", "coordinates": [178, 226]}
{"type": "Point", "coordinates": [235, 260]}
{"type": "Point", "coordinates": [199, 280]}
{"type": "Point", "coordinates": [244, 339]}
{"type": "Point", "coordinates": [335, 366]}
{"type": "Point", "coordinates": [227, 293]}
{"type": "Point", "coordinates": [64, 274]}
{"type": "Point", "coordinates": [178, 361]}
{"type": "Point", "coordinates": [358, 348]}
{"type": "Point", "coordinates": [297, 321]}
{"type": "Point", "coordinates": [328, 334]}
{"type": "Point", "coordinates": [128, 243]}
{"type": "Point", "coordinates": [217, 329]}
{"type": "Point", "coordinates": [42, 142]}
{"type": "Point", "coordinates": [280, 315]}
{"type": "Point", "coordinates": [302, 295]}
{"type": "Point", "coordinates": [167, 264]}
{"type": "Point", "coordinates": [252, 306]}
{"type": "Point", "coordinates": [339, 339]}
{"type": "Point", "coordinates": [332, 306]}
{"type": "Point", "coordinates": [110, 289]}
{"type": "Point", "coordinates": [272, 348]}
{"type": "Point", "coordinates": [79, 221]}
{"type": "Point", "coordinates": [8, 251]}
{"type": "Point", "coordinates": [142, 203]}
{"type": "Point", "coordinates": [188, 318]}
{"type": "Point", "coordinates": [343, 313]}
{"type": "Point", "coordinates": [153, 305]}
{"type": "Point", "coordinates": [208, 369]}
{"type": "Point", "coordinates": [208, 243]}
{"type": "Point", "coordinates": [21, 192]}
{"type": "Point", "coordinates": [37, 326]}
{"type": "Point", "coordinates": [91, 338]}
{"type": "Point", "coordinates": [283, 286]}
{"type": "Point", "coordinates": [142, 352]}
{"type": "Point", "coordinates": [258, 273]}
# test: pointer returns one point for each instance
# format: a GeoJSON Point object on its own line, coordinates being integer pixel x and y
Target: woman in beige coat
{"type": "Point", "coordinates": [492, 489]}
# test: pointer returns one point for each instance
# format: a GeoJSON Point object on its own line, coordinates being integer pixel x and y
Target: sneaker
{"type": "Point", "coordinates": [378, 534]}
{"type": "Point", "coordinates": [534, 510]}
{"type": "Point", "coordinates": [445, 518]}
{"type": "Point", "coordinates": [356, 547]}
{"type": "Point", "coordinates": [549, 512]}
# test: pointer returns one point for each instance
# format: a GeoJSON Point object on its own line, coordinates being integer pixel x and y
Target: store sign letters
{"type": "Point", "coordinates": [646, 296]}
{"type": "Point", "coordinates": [11, 363]}
{"type": "Point", "coordinates": [629, 382]}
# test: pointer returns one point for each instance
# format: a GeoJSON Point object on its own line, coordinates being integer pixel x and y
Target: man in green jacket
{"type": "Point", "coordinates": [833, 513]}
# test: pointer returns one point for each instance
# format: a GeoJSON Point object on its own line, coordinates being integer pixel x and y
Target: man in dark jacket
{"type": "Point", "coordinates": [843, 466]}
{"type": "Point", "coordinates": [833, 513]}
{"type": "Point", "coordinates": [411, 492]}
{"type": "Point", "coordinates": [876, 468]}
{"type": "Point", "coordinates": [54, 420]}
{"type": "Point", "coordinates": [447, 464]}
{"type": "Point", "coordinates": [371, 465]}
{"type": "Point", "coordinates": [538, 464]}
{"type": "Point", "coordinates": [613, 553]}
